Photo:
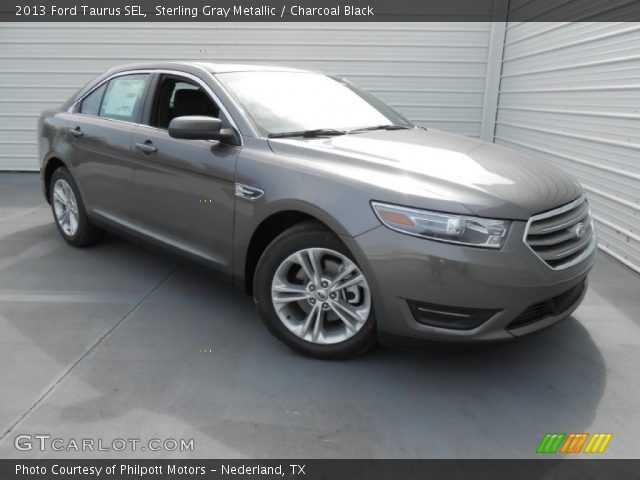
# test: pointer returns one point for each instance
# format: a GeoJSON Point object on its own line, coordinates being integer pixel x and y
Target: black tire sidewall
{"type": "Point", "coordinates": [299, 237]}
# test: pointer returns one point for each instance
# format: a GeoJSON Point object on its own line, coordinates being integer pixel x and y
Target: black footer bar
{"type": "Point", "coordinates": [548, 469]}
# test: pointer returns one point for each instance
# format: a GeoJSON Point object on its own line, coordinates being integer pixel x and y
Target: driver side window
{"type": "Point", "coordinates": [178, 97]}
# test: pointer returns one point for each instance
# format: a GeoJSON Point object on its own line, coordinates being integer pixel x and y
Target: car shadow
{"type": "Point", "coordinates": [192, 360]}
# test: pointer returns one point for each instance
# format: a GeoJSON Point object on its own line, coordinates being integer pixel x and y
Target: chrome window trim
{"type": "Point", "coordinates": [552, 213]}
{"type": "Point", "coordinates": [149, 71]}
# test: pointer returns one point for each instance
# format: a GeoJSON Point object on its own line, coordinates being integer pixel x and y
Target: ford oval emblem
{"type": "Point", "coordinates": [581, 230]}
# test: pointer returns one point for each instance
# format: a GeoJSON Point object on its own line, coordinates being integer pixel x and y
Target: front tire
{"type": "Point", "coordinates": [312, 295]}
{"type": "Point", "coordinates": [69, 212]}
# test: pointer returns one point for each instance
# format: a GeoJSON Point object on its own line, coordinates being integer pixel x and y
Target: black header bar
{"type": "Point", "coordinates": [318, 10]}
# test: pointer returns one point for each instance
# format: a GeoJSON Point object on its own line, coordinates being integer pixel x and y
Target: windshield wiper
{"type": "Point", "coordinates": [318, 132]}
{"type": "Point", "coordinates": [380, 127]}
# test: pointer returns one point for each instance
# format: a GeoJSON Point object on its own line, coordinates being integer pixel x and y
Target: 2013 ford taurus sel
{"type": "Point", "coordinates": [347, 223]}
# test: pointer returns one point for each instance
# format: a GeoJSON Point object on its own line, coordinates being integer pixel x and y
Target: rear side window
{"type": "Point", "coordinates": [123, 98]}
{"type": "Point", "coordinates": [91, 103]}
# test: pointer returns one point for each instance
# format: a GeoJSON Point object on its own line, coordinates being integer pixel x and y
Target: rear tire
{"type": "Point", "coordinates": [69, 212]}
{"type": "Point", "coordinates": [312, 295]}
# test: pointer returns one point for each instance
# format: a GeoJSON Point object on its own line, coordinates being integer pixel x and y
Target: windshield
{"type": "Point", "coordinates": [284, 102]}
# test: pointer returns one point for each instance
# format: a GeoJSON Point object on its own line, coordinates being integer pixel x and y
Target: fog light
{"type": "Point", "coordinates": [452, 318]}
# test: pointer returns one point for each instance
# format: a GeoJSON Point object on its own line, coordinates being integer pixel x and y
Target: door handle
{"type": "Point", "coordinates": [76, 132]}
{"type": "Point", "coordinates": [146, 147]}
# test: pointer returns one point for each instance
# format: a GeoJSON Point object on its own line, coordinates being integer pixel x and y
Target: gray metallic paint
{"type": "Point", "coordinates": [156, 197]}
{"type": "Point", "coordinates": [185, 194]}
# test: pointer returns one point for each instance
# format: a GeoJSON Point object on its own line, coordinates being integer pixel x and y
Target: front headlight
{"type": "Point", "coordinates": [445, 227]}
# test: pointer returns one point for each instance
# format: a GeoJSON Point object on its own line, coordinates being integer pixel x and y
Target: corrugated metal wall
{"type": "Point", "coordinates": [433, 73]}
{"type": "Point", "coordinates": [567, 92]}
{"type": "Point", "coordinates": [571, 94]}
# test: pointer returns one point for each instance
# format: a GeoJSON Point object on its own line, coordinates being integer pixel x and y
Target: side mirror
{"type": "Point", "coordinates": [197, 127]}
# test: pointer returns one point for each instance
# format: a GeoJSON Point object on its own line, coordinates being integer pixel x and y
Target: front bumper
{"type": "Point", "coordinates": [510, 282]}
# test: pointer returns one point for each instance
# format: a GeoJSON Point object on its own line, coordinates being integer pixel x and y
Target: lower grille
{"type": "Point", "coordinates": [561, 237]}
{"type": "Point", "coordinates": [548, 308]}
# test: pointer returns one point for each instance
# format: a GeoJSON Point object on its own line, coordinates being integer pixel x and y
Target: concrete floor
{"type": "Point", "coordinates": [107, 343]}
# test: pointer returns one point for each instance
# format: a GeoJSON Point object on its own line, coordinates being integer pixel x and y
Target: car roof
{"type": "Point", "coordinates": [208, 66]}
{"type": "Point", "coordinates": [242, 67]}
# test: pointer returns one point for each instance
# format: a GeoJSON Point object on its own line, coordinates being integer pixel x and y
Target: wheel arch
{"type": "Point", "coordinates": [51, 165]}
{"type": "Point", "coordinates": [269, 228]}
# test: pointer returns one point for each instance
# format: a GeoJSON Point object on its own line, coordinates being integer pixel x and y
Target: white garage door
{"type": "Point", "coordinates": [571, 93]}
{"type": "Point", "coordinates": [433, 73]}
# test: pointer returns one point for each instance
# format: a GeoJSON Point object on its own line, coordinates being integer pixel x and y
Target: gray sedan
{"type": "Point", "coordinates": [347, 223]}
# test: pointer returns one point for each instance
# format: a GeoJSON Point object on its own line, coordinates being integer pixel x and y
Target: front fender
{"type": "Point", "coordinates": [292, 186]}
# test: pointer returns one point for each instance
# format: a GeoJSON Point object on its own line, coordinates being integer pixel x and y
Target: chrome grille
{"type": "Point", "coordinates": [562, 237]}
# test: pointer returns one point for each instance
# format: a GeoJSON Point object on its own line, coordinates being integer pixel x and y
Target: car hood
{"type": "Point", "coordinates": [437, 170]}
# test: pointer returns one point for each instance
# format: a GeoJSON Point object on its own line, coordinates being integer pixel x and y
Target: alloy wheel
{"type": "Point", "coordinates": [321, 296]}
{"type": "Point", "coordinates": [65, 207]}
